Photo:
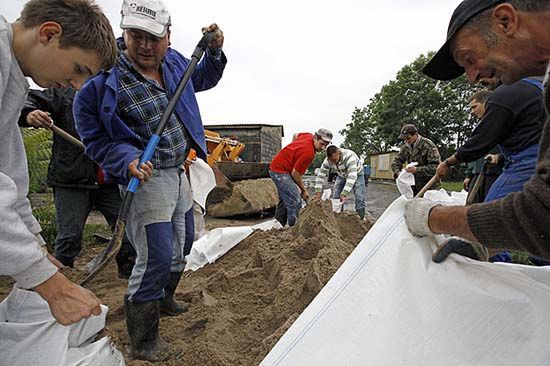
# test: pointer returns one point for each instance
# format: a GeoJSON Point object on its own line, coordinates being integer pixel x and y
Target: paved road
{"type": "Point", "coordinates": [379, 196]}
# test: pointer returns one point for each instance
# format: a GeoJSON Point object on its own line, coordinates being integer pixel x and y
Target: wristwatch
{"type": "Point", "coordinates": [446, 161]}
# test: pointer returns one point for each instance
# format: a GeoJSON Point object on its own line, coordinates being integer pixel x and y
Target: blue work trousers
{"type": "Point", "coordinates": [519, 168]}
{"type": "Point", "coordinates": [290, 200]}
{"type": "Point", "coordinates": [160, 227]}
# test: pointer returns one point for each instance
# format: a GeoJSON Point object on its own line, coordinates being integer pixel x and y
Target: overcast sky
{"type": "Point", "coordinates": [304, 64]}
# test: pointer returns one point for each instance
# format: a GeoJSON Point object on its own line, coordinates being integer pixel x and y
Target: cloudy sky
{"type": "Point", "coordinates": [304, 64]}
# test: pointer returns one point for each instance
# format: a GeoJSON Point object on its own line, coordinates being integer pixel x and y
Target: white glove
{"type": "Point", "coordinates": [417, 213]}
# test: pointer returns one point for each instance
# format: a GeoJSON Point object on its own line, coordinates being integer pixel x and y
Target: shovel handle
{"type": "Point", "coordinates": [66, 136]}
{"type": "Point", "coordinates": [428, 185]}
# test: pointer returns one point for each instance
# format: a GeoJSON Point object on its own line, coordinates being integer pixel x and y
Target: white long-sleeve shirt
{"type": "Point", "coordinates": [349, 167]}
{"type": "Point", "coordinates": [21, 254]}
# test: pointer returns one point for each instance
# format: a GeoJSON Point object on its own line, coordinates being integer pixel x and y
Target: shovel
{"type": "Point", "coordinates": [428, 185]}
{"type": "Point", "coordinates": [66, 136]}
{"type": "Point", "coordinates": [96, 264]}
{"type": "Point", "coordinates": [479, 181]}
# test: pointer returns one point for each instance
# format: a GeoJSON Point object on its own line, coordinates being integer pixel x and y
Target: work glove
{"type": "Point", "coordinates": [461, 247]}
{"type": "Point", "coordinates": [417, 213]}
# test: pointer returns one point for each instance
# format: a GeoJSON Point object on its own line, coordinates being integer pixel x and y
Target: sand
{"type": "Point", "coordinates": [241, 305]}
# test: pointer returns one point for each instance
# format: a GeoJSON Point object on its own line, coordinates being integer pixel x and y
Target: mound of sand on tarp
{"type": "Point", "coordinates": [242, 304]}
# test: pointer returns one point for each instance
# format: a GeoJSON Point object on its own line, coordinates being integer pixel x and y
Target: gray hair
{"type": "Point", "coordinates": [529, 5]}
{"type": "Point", "coordinates": [481, 22]}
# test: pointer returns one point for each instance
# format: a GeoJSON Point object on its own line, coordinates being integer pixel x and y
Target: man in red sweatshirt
{"type": "Point", "coordinates": [287, 169]}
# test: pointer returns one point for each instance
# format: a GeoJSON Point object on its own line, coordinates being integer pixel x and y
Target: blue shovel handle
{"type": "Point", "coordinates": [145, 157]}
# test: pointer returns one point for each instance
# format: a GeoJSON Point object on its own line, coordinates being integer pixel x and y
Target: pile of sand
{"type": "Point", "coordinates": [241, 305]}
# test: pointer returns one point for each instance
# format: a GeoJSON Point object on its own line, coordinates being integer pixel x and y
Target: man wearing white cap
{"type": "Point", "coordinates": [116, 113]}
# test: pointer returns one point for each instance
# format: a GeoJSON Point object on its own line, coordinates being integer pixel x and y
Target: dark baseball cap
{"type": "Point", "coordinates": [407, 130]}
{"type": "Point", "coordinates": [443, 66]}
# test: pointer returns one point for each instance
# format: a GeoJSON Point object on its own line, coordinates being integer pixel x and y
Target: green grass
{"type": "Point", "coordinates": [90, 230]}
{"type": "Point", "coordinates": [46, 217]}
{"type": "Point", "coordinates": [452, 186]}
{"type": "Point", "coordinates": [38, 146]}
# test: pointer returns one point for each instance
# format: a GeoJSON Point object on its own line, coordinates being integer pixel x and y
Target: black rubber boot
{"type": "Point", "coordinates": [169, 305]}
{"type": "Point", "coordinates": [361, 214]}
{"type": "Point", "coordinates": [142, 320]}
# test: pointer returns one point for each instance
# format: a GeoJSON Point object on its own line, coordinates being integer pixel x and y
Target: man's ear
{"type": "Point", "coordinates": [505, 17]}
{"type": "Point", "coordinates": [48, 31]}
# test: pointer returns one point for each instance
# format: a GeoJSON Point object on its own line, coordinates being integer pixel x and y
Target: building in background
{"type": "Point", "coordinates": [381, 165]}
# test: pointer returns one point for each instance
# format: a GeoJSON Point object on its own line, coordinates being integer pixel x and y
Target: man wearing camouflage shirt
{"type": "Point", "coordinates": [350, 177]}
{"type": "Point", "coordinates": [417, 149]}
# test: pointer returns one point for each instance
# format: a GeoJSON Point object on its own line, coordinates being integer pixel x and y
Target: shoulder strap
{"type": "Point", "coordinates": [536, 83]}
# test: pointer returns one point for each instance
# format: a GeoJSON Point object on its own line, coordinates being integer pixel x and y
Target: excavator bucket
{"type": "Point", "coordinates": [245, 197]}
{"type": "Point", "coordinates": [222, 181]}
{"type": "Point", "coordinates": [243, 170]}
{"type": "Point", "coordinates": [242, 188]}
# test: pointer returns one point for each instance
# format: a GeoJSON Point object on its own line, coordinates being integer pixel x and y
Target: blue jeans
{"type": "Point", "coordinates": [160, 226]}
{"type": "Point", "coordinates": [72, 206]}
{"type": "Point", "coordinates": [358, 189]}
{"type": "Point", "coordinates": [517, 171]}
{"type": "Point", "coordinates": [290, 200]}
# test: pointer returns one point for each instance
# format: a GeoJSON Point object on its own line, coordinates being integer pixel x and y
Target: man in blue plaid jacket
{"type": "Point", "coordinates": [116, 113]}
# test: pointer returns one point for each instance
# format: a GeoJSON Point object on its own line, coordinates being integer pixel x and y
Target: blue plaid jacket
{"type": "Point", "coordinates": [141, 104]}
{"type": "Point", "coordinates": [110, 142]}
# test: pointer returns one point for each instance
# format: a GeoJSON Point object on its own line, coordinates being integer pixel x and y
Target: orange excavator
{"type": "Point", "coordinates": [222, 149]}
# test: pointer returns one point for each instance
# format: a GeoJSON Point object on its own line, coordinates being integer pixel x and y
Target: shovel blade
{"type": "Point", "coordinates": [101, 260]}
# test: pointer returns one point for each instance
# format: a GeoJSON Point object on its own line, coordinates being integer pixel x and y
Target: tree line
{"type": "Point", "coordinates": [439, 109]}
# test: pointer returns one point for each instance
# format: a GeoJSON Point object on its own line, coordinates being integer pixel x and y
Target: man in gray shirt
{"type": "Point", "coordinates": [54, 44]}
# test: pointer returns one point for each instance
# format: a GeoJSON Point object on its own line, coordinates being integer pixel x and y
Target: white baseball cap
{"type": "Point", "coordinates": [324, 134]}
{"type": "Point", "coordinates": [150, 16]}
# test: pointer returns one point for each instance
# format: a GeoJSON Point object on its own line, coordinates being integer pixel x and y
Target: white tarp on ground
{"type": "Point", "coordinates": [29, 335]}
{"type": "Point", "coordinates": [215, 243]}
{"type": "Point", "coordinates": [389, 304]}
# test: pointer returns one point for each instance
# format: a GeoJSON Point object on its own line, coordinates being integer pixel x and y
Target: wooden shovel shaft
{"type": "Point", "coordinates": [475, 189]}
{"type": "Point", "coordinates": [428, 185]}
{"type": "Point", "coordinates": [66, 136]}
{"type": "Point", "coordinates": [479, 182]}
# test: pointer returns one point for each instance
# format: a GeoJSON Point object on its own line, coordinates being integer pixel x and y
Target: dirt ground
{"type": "Point", "coordinates": [241, 305]}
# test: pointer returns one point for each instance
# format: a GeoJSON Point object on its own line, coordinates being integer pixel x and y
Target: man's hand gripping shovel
{"type": "Point", "coordinates": [457, 245]}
